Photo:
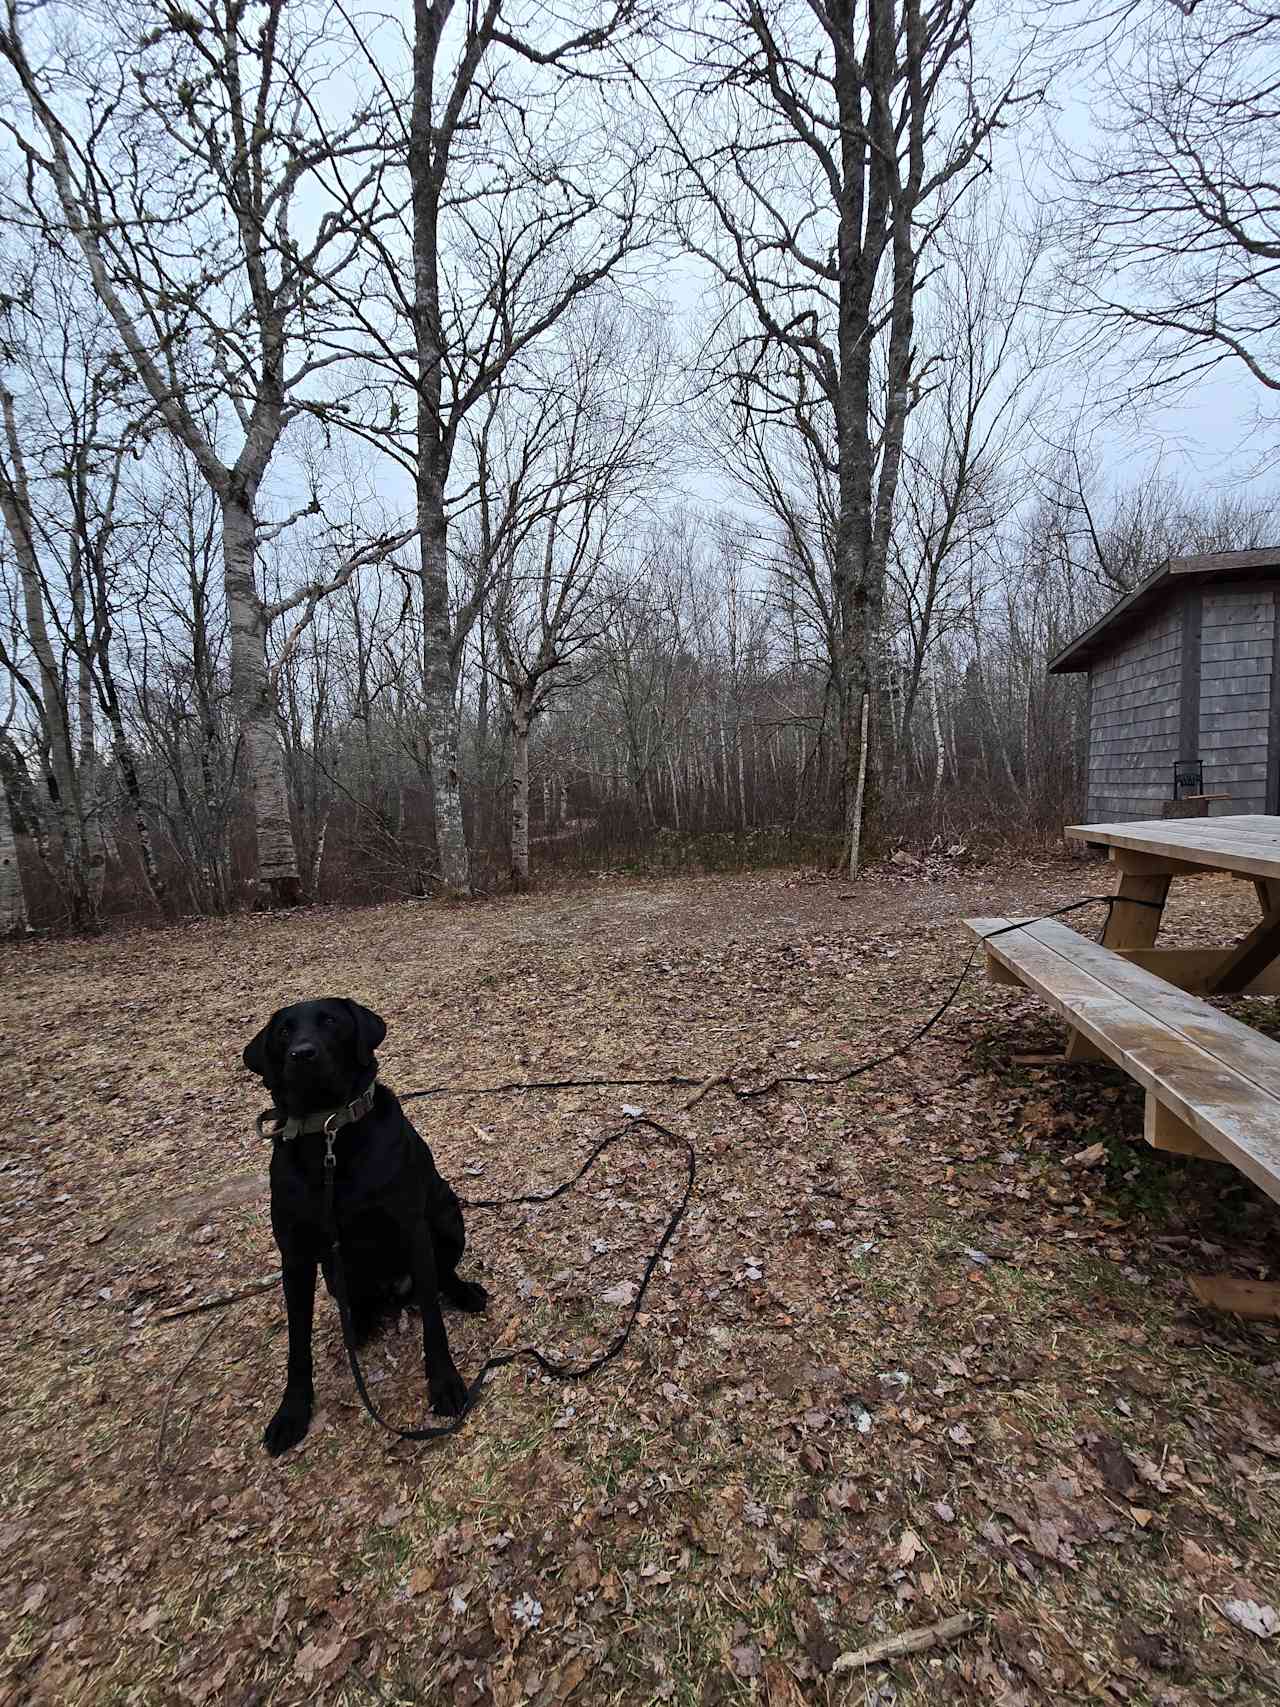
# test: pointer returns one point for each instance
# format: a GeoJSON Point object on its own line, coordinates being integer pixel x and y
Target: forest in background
{"type": "Point", "coordinates": [439, 447]}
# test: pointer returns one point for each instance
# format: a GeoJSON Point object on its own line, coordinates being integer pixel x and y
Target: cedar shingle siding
{"type": "Point", "coordinates": [1133, 727]}
{"type": "Point", "coordinates": [1235, 693]}
{"type": "Point", "coordinates": [1186, 666]}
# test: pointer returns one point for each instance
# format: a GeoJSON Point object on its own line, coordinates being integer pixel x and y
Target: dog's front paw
{"type": "Point", "coordinates": [467, 1295]}
{"type": "Point", "coordinates": [448, 1393]}
{"type": "Point", "coordinates": [289, 1424]}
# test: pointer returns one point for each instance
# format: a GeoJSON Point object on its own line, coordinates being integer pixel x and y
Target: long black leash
{"type": "Point", "coordinates": [752, 1093]}
{"type": "Point", "coordinates": [529, 1353]}
{"type": "Point", "coordinates": [581, 1371]}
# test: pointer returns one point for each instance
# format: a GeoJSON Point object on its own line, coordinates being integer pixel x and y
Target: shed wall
{"type": "Point", "coordinates": [1135, 694]}
{"type": "Point", "coordinates": [1238, 642]}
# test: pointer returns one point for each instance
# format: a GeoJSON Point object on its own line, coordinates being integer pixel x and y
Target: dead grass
{"type": "Point", "coordinates": [907, 1358]}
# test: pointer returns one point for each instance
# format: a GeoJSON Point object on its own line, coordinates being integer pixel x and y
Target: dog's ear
{"type": "Point", "coordinates": [258, 1053]}
{"type": "Point", "coordinates": [371, 1028]}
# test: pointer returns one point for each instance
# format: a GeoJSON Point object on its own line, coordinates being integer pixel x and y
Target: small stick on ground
{"type": "Point", "coordinates": [908, 1642]}
{"type": "Point", "coordinates": [205, 1337]}
{"type": "Point", "coordinates": [221, 1300]}
{"type": "Point", "coordinates": [696, 1098]}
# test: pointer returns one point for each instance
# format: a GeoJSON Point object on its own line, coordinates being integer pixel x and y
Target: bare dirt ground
{"type": "Point", "coordinates": [921, 1347]}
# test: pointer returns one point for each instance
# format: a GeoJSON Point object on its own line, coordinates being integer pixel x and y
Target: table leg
{"type": "Point", "coordinates": [1136, 911]}
{"type": "Point", "coordinates": [1250, 956]}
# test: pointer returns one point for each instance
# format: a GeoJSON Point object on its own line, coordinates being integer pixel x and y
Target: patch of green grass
{"type": "Point", "coordinates": [1139, 1180]}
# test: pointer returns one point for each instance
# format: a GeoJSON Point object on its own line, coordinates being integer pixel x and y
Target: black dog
{"type": "Point", "coordinates": [399, 1223]}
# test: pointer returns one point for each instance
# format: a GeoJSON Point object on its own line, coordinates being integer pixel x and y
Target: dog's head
{"type": "Point", "coordinates": [316, 1055]}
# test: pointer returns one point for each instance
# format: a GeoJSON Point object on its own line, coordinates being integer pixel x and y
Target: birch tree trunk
{"type": "Point", "coordinates": [437, 661]}
{"type": "Point", "coordinates": [255, 703]}
{"type": "Point", "coordinates": [521, 721]}
{"type": "Point", "coordinates": [15, 506]}
{"type": "Point", "coordinates": [940, 752]}
{"type": "Point", "coordinates": [13, 900]}
{"type": "Point", "coordinates": [855, 828]}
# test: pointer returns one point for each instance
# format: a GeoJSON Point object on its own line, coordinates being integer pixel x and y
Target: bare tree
{"type": "Point", "coordinates": [524, 192]}
{"type": "Point", "coordinates": [202, 126]}
{"type": "Point", "coordinates": [822, 143]}
{"type": "Point", "coordinates": [966, 460]}
{"type": "Point", "coordinates": [572, 495]}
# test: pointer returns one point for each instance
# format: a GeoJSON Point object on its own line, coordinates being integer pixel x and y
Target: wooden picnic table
{"type": "Point", "coordinates": [1150, 855]}
{"type": "Point", "coordinates": [1212, 1082]}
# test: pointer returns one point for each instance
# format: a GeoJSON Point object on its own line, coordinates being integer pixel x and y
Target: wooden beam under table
{"type": "Point", "coordinates": [1136, 911]}
{"type": "Point", "coordinates": [1195, 969]}
{"type": "Point", "coordinates": [1157, 865]}
{"type": "Point", "coordinates": [1250, 957]}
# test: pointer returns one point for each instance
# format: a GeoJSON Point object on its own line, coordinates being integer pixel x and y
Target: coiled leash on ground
{"type": "Point", "coordinates": [570, 1372]}
{"type": "Point", "coordinates": [498, 1360]}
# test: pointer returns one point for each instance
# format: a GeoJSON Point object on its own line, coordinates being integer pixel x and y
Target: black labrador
{"type": "Point", "coordinates": [399, 1223]}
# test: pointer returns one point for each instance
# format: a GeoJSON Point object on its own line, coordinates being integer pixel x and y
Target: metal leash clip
{"type": "Point", "coordinates": [330, 1133]}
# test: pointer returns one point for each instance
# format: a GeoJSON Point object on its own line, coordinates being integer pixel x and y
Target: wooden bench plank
{"type": "Point", "coordinates": [1236, 1045]}
{"type": "Point", "coordinates": [1217, 1077]}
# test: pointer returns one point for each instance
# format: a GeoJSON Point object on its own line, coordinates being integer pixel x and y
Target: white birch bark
{"type": "Point", "coordinates": [15, 506]}
{"type": "Point", "coordinates": [939, 748]}
{"type": "Point", "coordinates": [13, 900]}
{"type": "Point", "coordinates": [521, 720]}
{"type": "Point", "coordinates": [859, 793]}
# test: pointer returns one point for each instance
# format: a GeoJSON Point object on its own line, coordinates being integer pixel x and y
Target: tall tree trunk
{"type": "Point", "coordinates": [90, 800]}
{"type": "Point", "coordinates": [859, 793]}
{"type": "Point", "coordinates": [62, 781]}
{"type": "Point", "coordinates": [13, 900]}
{"type": "Point", "coordinates": [437, 666]}
{"type": "Point", "coordinates": [254, 705]}
{"type": "Point", "coordinates": [940, 752]}
{"type": "Point", "coordinates": [521, 719]}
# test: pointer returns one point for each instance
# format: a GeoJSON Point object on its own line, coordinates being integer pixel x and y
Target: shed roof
{"type": "Point", "coordinates": [1209, 566]}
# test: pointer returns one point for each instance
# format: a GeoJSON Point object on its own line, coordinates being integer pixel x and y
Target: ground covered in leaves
{"type": "Point", "coordinates": [923, 1347]}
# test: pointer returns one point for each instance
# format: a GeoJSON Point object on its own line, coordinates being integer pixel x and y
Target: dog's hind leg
{"type": "Point", "coordinates": [446, 1387]}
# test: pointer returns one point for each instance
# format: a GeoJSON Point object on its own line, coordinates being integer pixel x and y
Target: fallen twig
{"type": "Point", "coordinates": [908, 1642]}
{"type": "Point", "coordinates": [696, 1098]}
{"type": "Point", "coordinates": [221, 1300]}
{"type": "Point", "coordinates": [204, 1339]}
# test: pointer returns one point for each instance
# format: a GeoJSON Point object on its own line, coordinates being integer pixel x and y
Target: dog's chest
{"type": "Point", "coordinates": [374, 1183]}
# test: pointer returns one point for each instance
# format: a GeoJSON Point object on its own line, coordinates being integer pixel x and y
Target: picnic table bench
{"type": "Point", "coordinates": [1212, 1083]}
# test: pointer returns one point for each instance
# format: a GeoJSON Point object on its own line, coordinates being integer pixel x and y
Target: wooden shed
{"type": "Point", "coordinates": [1186, 667]}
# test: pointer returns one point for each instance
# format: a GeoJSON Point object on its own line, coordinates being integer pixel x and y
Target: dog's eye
{"type": "Point", "coordinates": [326, 1019]}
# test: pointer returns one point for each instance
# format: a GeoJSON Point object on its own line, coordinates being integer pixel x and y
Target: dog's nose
{"type": "Point", "coordinates": [303, 1052]}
